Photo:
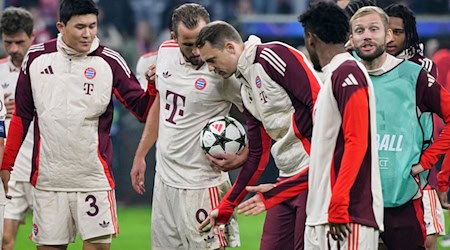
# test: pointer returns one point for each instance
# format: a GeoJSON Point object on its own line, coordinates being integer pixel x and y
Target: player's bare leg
{"type": "Point", "coordinates": [431, 242]}
{"type": "Point", "coordinates": [96, 246]}
{"type": "Point", "coordinates": [99, 243]}
{"type": "Point", "coordinates": [57, 247]}
{"type": "Point", "coordinates": [10, 228]}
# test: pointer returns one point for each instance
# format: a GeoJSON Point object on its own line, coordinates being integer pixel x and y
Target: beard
{"type": "Point", "coordinates": [370, 57]}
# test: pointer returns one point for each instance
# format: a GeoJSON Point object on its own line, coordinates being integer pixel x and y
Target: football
{"type": "Point", "coordinates": [223, 134]}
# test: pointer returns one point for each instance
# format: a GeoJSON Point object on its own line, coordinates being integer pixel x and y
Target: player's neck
{"type": "Point", "coordinates": [328, 52]}
{"type": "Point", "coordinates": [375, 63]}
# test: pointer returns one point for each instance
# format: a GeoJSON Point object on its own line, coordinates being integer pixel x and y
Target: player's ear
{"type": "Point", "coordinates": [389, 35]}
{"type": "Point", "coordinates": [60, 26]}
{"type": "Point", "coordinates": [174, 36]}
{"type": "Point", "coordinates": [230, 47]}
{"type": "Point", "coordinates": [310, 39]}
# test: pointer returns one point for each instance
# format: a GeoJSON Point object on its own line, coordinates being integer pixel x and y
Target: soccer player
{"type": "Point", "coordinates": [186, 187]}
{"type": "Point", "coordinates": [66, 85]}
{"type": "Point", "coordinates": [405, 44]}
{"type": "Point", "coordinates": [344, 197]}
{"type": "Point", "coordinates": [16, 26]}
{"type": "Point", "coordinates": [404, 91]}
{"type": "Point", "coordinates": [279, 91]}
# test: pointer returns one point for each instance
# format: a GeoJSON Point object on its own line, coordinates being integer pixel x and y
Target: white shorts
{"type": "Point", "coordinates": [362, 237]}
{"type": "Point", "coordinates": [177, 213]}
{"type": "Point", "coordinates": [21, 200]}
{"type": "Point", "coordinates": [433, 214]}
{"type": "Point", "coordinates": [59, 216]}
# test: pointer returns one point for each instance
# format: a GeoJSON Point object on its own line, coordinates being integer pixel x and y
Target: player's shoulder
{"type": "Point", "coordinates": [169, 44]}
{"type": "Point", "coordinates": [348, 71]}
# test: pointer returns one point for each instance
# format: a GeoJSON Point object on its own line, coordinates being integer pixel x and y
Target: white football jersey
{"type": "Point", "coordinates": [22, 166]}
{"type": "Point", "coordinates": [142, 67]}
{"type": "Point", "coordinates": [190, 95]}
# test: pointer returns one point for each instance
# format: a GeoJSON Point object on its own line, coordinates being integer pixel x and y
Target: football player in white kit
{"type": "Point", "coordinates": [66, 85]}
{"type": "Point", "coordinates": [186, 187]}
{"type": "Point", "coordinates": [16, 26]}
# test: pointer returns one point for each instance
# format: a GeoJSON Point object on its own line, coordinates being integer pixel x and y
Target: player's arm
{"type": "Point", "coordinates": [353, 105]}
{"type": "Point", "coordinates": [269, 195]}
{"type": "Point", "coordinates": [432, 97]}
{"type": "Point", "coordinates": [127, 88]}
{"type": "Point", "coordinates": [148, 139]}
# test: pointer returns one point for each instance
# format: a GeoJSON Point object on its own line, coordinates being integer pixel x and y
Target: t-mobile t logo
{"type": "Point", "coordinates": [88, 88]}
{"type": "Point", "coordinates": [175, 108]}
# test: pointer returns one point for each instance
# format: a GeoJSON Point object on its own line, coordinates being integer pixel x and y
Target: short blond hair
{"type": "Point", "coordinates": [367, 10]}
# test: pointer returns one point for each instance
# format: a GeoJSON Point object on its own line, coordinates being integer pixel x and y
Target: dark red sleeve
{"type": "Point", "coordinates": [432, 97]}
{"type": "Point", "coordinates": [126, 87]}
{"type": "Point", "coordinates": [286, 189]}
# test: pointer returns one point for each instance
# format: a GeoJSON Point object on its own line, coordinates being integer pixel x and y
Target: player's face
{"type": "Point", "coordinates": [79, 32]}
{"type": "Point", "coordinates": [368, 37]}
{"type": "Point", "coordinates": [17, 45]}
{"type": "Point", "coordinates": [186, 38]}
{"type": "Point", "coordinates": [397, 44]}
{"type": "Point", "coordinates": [222, 61]}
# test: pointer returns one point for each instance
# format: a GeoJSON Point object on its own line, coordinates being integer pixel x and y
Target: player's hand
{"type": "Point", "coordinates": [150, 75]}
{"type": "Point", "coordinates": [443, 199]}
{"type": "Point", "coordinates": [5, 175]}
{"type": "Point", "coordinates": [339, 231]}
{"type": "Point", "coordinates": [416, 169]}
{"type": "Point", "coordinates": [254, 205]}
{"type": "Point", "coordinates": [137, 174]}
{"type": "Point", "coordinates": [9, 105]}
{"type": "Point", "coordinates": [225, 162]}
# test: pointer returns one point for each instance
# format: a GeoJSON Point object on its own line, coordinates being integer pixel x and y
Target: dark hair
{"type": "Point", "coordinates": [412, 43]}
{"type": "Point", "coordinates": [217, 33]}
{"type": "Point", "coordinates": [189, 14]}
{"type": "Point", "coordinates": [70, 8]}
{"type": "Point", "coordinates": [327, 21]}
{"type": "Point", "coordinates": [14, 20]}
{"type": "Point", "coordinates": [355, 5]}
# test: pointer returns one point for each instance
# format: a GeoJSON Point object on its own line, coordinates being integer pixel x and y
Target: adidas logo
{"type": "Point", "coordinates": [5, 85]}
{"type": "Point", "coordinates": [218, 127]}
{"type": "Point", "coordinates": [209, 239]}
{"type": "Point", "coordinates": [350, 80]}
{"type": "Point", "coordinates": [166, 74]}
{"type": "Point", "coordinates": [104, 224]}
{"type": "Point", "coordinates": [47, 70]}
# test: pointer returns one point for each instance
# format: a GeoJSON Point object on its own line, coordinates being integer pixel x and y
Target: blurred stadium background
{"type": "Point", "coordinates": [134, 27]}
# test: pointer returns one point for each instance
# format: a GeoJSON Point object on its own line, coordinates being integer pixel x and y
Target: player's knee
{"type": "Point", "coordinates": [98, 243]}
{"type": "Point", "coordinates": [8, 241]}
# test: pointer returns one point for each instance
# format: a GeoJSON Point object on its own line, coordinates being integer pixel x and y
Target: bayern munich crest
{"type": "Point", "coordinates": [200, 83]}
{"type": "Point", "coordinates": [90, 73]}
{"type": "Point", "coordinates": [258, 82]}
{"type": "Point", "coordinates": [35, 230]}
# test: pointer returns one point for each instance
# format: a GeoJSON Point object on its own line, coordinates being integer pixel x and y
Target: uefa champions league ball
{"type": "Point", "coordinates": [223, 134]}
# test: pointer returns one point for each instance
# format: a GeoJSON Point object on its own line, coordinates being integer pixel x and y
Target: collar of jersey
{"type": "Point", "coordinates": [65, 49]}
